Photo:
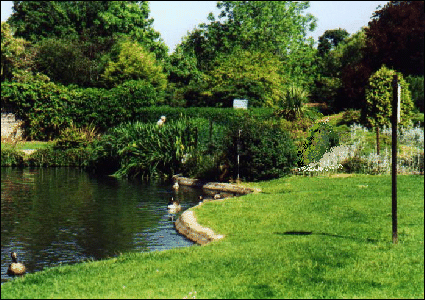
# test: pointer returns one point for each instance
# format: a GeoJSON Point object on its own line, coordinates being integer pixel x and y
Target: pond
{"type": "Point", "coordinates": [56, 216]}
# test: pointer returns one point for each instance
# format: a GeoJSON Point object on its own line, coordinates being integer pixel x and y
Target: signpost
{"type": "Point", "coordinates": [395, 119]}
{"type": "Point", "coordinates": [240, 103]}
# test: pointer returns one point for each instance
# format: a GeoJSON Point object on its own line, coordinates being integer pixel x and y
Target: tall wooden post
{"type": "Point", "coordinates": [394, 158]}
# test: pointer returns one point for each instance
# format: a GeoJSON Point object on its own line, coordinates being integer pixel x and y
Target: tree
{"type": "Point", "coordinates": [379, 98]}
{"type": "Point", "coordinates": [338, 69]}
{"type": "Point", "coordinates": [246, 74]}
{"type": "Point", "coordinates": [12, 52]}
{"type": "Point", "coordinates": [73, 38]}
{"type": "Point", "coordinates": [36, 20]}
{"type": "Point", "coordinates": [184, 79]}
{"type": "Point", "coordinates": [330, 40]}
{"type": "Point", "coordinates": [134, 62]}
{"type": "Point", "coordinates": [278, 28]}
{"type": "Point", "coordinates": [395, 37]}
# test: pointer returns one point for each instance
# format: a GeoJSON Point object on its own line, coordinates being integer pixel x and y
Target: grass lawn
{"type": "Point", "coordinates": [26, 145]}
{"type": "Point", "coordinates": [302, 237]}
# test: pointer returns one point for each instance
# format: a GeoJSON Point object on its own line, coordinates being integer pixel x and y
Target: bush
{"type": "Point", "coordinates": [354, 164]}
{"type": "Point", "coordinates": [73, 137]}
{"type": "Point", "coordinates": [265, 151]}
{"type": "Point", "coordinates": [350, 117]}
{"type": "Point", "coordinates": [321, 138]}
{"type": "Point", "coordinates": [11, 158]}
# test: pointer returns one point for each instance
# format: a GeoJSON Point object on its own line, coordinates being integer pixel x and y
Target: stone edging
{"type": "Point", "coordinates": [187, 225]}
{"type": "Point", "coordinates": [216, 186]}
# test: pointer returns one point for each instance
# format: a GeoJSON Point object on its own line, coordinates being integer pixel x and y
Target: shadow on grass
{"type": "Point", "coordinates": [326, 234]}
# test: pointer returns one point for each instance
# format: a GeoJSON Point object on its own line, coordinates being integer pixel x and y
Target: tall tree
{"type": "Point", "coordinates": [12, 51]}
{"type": "Point", "coordinates": [395, 37]}
{"type": "Point", "coordinates": [74, 38]}
{"type": "Point", "coordinates": [330, 40]}
{"type": "Point", "coordinates": [275, 27]}
{"type": "Point", "coordinates": [133, 62]}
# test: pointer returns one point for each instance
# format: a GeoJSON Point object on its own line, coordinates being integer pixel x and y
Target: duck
{"type": "Point", "coordinates": [201, 199]}
{"type": "Point", "coordinates": [174, 206]}
{"type": "Point", "coordinates": [15, 268]}
{"type": "Point", "coordinates": [217, 196]}
{"type": "Point", "coordinates": [176, 185]}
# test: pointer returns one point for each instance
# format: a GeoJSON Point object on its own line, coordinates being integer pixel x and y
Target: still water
{"type": "Point", "coordinates": [59, 216]}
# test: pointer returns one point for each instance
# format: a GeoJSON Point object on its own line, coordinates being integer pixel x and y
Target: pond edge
{"type": "Point", "coordinates": [187, 224]}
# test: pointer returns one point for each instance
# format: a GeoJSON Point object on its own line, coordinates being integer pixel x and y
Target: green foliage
{"type": "Point", "coordinates": [246, 30]}
{"type": "Point", "coordinates": [12, 53]}
{"type": "Point", "coordinates": [379, 95]}
{"type": "Point", "coordinates": [342, 75]}
{"type": "Point", "coordinates": [133, 62]}
{"type": "Point", "coordinates": [416, 85]}
{"type": "Point", "coordinates": [140, 149]}
{"type": "Point", "coordinates": [47, 108]}
{"type": "Point", "coordinates": [330, 39]}
{"type": "Point", "coordinates": [354, 164]}
{"type": "Point", "coordinates": [265, 151]}
{"type": "Point", "coordinates": [350, 117]}
{"type": "Point", "coordinates": [72, 60]}
{"type": "Point", "coordinates": [37, 20]}
{"type": "Point", "coordinates": [50, 157]}
{"type": "Point", "coordinates": [11, 158]}
{"type": "Point", "coordinates": [320, 139]}
{"type": "Point", "coordinates": [247, 75]}
{"type": "Point", "coordinates": [34, 20]}
{"type": "Point", "coordinates": [290, 105]}
{"type": "Point", "coordinates": [73, 137]}
{"type": "Point", "coordinates": [42, 106]}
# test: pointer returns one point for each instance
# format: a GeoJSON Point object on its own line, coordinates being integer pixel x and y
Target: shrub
{"type": "Point", "coordinates": [11, 158]}
{"type": "Point", "coordinates": [354, 164]}
{"type": "Point", "coordinates": [73, 137]}
{"type": "Point", "coordinates": [379, 98]}
{"type": "Point", "coordinates": [350, 117]}
{"type": "Point", "coordinates": [265, 151]}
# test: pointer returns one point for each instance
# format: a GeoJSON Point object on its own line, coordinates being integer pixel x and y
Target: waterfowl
{"type": "Point", "coordinates": [201, 199]}
{"type": "Point", "coordinates": [174, 206]}
{"type": "Point", "coordinates": [15, 268]}
{"type": "Point", "coordinates": [161, 121]}
{"type": "Point", "coordinates": [176, 185]}
{"type": "Point", "coordinates": [217, 196]}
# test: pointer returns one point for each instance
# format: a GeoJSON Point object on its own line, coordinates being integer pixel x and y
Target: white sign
{"type": "Point", "coordinates": [399, 102]}
{"type": "Point", "coordinates": [240, 103]}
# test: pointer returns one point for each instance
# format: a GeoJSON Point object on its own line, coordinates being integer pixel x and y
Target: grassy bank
{"type": "Point", "coordinates": [302, 237]}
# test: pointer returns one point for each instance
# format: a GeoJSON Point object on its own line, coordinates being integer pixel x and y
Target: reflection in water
{"type": "Point", "coordinates": [63, 216]}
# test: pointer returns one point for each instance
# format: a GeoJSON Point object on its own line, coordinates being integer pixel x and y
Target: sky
{"type": "Point", "coordinates": [173, 19]}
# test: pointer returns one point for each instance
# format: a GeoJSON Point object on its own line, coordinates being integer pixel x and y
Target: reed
{"type": "Point", "coordinates": [148, 150]}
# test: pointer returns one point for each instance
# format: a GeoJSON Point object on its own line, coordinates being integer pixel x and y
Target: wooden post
{"type": "Point", "coordinates": [394, 159]}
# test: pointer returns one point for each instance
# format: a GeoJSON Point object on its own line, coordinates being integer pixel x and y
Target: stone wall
{"type": "Point", "coordinates": [10, 126]}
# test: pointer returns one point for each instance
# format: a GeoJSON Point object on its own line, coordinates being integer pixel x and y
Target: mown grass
{"type": "Point", "coordinates": [26, 145]}
{"type": "Point", "coordinates": [314, 237]}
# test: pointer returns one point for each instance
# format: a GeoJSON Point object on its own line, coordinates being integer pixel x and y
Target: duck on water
{"type": "Point", "coordinates": [15, 268]}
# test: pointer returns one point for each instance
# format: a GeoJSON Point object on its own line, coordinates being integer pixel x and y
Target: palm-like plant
{"type": "Point", "coordinates": [290, 105]}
